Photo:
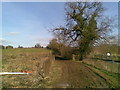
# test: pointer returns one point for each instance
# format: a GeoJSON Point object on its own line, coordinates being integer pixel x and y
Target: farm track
{"type": "Point", "coordinates": [77, 75]}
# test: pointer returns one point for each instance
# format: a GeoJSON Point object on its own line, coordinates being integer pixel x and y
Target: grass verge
{"type": "Point", "coordinates": [114, 75]}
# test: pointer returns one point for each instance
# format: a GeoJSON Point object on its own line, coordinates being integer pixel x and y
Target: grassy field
{"type": "Point", "coordinates": [17, 60]}
{"type": "Point", "coordinates": [46, 72]}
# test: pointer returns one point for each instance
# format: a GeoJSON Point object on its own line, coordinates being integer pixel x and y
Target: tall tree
{"type": "Point", "coordinates": [85, 25]}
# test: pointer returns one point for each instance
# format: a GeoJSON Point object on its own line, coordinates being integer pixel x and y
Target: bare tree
{"type": "Point", "coordinates": [85, 26]}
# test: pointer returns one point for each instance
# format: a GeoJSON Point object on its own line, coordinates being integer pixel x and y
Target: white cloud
{"type": "Point", "coordinates": [4, 41]}
{"type": "Point", "coordinates": [46, 39]}
{"type": "Point", "coordinates": [13, 33]}
{"type": "Point", "coordinates": [43, 41]}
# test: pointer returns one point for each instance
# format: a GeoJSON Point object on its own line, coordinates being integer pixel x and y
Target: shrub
{"type": "Point", "coordinates": [2, 47]}
{"type": "Point", "coordinates": [9, 47]}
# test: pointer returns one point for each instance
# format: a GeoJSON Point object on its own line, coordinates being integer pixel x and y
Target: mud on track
{"type": "Point", "coordinates": [77, 75]}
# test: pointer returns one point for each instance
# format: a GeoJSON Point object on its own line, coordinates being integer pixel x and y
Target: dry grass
{"type": "Point", "coordinates": [47, 72]}
{"type": "Point", "coordinates": [15, 60]}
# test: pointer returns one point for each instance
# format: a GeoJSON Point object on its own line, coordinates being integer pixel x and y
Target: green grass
{"type": "Point", "coordinates": [114, 75]}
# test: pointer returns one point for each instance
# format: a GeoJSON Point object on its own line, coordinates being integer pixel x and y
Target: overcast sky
{"type": "Point", "coordinates": [27, 23]}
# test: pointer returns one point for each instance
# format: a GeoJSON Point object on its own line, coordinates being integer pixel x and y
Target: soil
{"type": "Point", "coordinates": [71, 74]}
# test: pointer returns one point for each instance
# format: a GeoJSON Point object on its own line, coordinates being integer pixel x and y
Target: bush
{"type": "Point", "coordinates": [20, 46]}
{"type": "Point", "coordinates": [2, 47]}
{"type": "Point", "coordinates": [37, 45]}
{"type": "Point", "coordinates": [9, 47]}
{"type": "Point", "coordinates": [60, 49]}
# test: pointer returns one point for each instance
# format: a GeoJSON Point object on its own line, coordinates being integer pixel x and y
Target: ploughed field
{"type": "Point", "coordinates": [46, 72]}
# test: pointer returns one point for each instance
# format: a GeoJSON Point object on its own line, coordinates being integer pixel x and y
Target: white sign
{"type": "Point", "coordinates": [108, 54]}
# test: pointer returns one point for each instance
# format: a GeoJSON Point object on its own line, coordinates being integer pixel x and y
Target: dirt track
{"type": "Point", "coordinates": [76, 74]}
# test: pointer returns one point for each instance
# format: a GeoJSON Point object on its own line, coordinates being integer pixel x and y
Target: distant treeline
{"type": "Point", "coordinates": [10, 46]}
{"type": "Point", "coordinates": [6, 47]}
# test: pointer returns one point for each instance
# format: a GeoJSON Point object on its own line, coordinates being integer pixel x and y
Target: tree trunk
{"type": "Point", "coordinates": [81, 58]}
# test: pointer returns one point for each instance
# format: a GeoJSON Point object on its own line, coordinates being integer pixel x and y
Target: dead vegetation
{"type": "Point", "coordinates": [18, 60]}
